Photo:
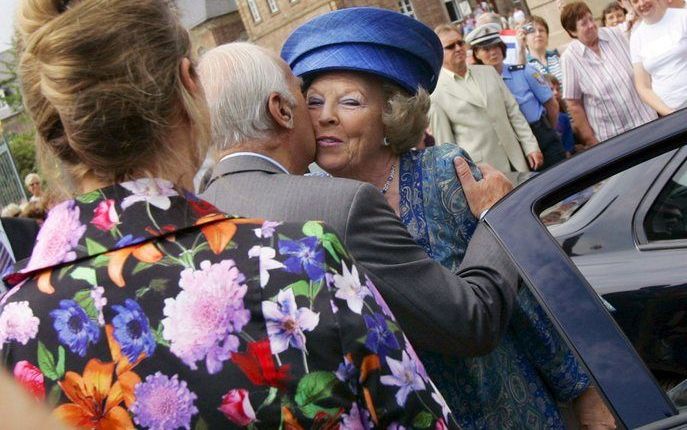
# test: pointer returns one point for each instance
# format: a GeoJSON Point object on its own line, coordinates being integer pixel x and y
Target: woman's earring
{"type": "Point", "coordinates": [386, 141]}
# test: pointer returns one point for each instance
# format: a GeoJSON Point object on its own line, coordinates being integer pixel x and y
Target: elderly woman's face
{"type": "Point", "coordinates": [34, 187]}
{"type": "Point", "coordinates": [346, 111]}
{"type": "Point", "coordinates": [586, 30]}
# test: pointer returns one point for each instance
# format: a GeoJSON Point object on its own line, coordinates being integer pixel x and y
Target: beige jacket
{"type": "Point", "coordinates": [489, 125]}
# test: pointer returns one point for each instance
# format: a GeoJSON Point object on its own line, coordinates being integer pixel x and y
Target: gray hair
{"type": "Point", "coordinates": [238, 79]}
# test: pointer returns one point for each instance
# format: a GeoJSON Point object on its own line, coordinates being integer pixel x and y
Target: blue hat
{"type": "Point", "coordinates": [378, 41]}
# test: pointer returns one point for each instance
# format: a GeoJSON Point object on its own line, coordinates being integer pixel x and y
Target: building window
{"type": "Point", "coordinates": [273, 6]}
{"type": "Point", "coordinates": [254, 11]}
{"type": "Point", "coordinates": [453, 10]}
{"type": "Point", "coordinates": [406, 8]}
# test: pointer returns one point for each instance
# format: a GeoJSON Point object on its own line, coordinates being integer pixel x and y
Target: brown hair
{"type": "Point", "coordinates": [612, 6]}
{"type": "Point", "coordinates": [102, 84]}
{"type": "Point", "coordinates": [504, 50]}
{"type": "Point", "coordinates": [534, 19]}
{"type": "Point", "coordinates": [405, 117]}
{"type": "Point", "coordinates": [571, 13]}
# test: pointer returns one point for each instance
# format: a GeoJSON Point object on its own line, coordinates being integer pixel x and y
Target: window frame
{"type": "Point", "coordinates": [273, 6]}
{"type": "Point", "coordinates": [254, 11]}
{"type": "Point", "coordinates": [456, 6]}
{"type": "Point", "coordinates": [406, 8]}
{"type": "Point", "coordinates": [624, 381]}
{"type": "Point", "coordinates": [678, 160]}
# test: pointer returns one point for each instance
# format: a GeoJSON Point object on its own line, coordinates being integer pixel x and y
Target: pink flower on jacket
{"type": "Point", "coordinates": [58, 237]}
{"type": "Point", "coordinates": [18, 323]}
{"type": "Point", "coordinates": [201, 322]}
{"type": "Point", "coordinates": [237, 408]}
{"type": "Point", "coordinates": [105, 215]}
{"type": "Point", "coordinates": [31, 378]}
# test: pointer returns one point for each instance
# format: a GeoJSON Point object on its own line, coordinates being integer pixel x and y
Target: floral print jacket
{"type": "Point", "coordinates": [142, 306]}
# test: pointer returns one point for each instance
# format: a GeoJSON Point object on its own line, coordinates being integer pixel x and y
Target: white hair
{"type": "Point", "coordinates": [238, 79]}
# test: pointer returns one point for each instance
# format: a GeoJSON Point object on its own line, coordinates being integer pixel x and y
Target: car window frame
{"type": "Point", "coordinates": [643, 243]}
{"type": "Point", "coordinates": [624, 381]}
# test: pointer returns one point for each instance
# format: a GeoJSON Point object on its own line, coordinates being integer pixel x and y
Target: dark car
{"type": "Point", "coordinates": [628, 236]}
{"type": "Point", "coordinates": [625, 238]}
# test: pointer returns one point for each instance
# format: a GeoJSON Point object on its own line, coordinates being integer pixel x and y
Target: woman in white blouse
{"type": "Point", "coordinates": [658, 47]}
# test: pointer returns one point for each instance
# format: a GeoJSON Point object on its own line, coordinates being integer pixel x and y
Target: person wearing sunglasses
{"type": "Point", "coordinates": [472, 107]}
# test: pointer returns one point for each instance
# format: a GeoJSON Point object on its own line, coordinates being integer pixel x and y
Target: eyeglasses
{"type": "Point", "coordinates": [451, 47]}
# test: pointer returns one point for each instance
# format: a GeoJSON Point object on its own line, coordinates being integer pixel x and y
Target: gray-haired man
{"type": "Point", "coordinates": [264, 141]}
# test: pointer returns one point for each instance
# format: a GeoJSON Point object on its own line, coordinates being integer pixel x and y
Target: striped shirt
{"type": "Point", "coordinates": [605, 84]}
{"type": "Point", "coordinates": [552, 66]}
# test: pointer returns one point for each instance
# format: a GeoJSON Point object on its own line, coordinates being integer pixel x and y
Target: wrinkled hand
{"type": "Point", "coordinates": [535, 160]}
{"type": "Point", "coordinates": [481, 195]}
{"type": "Point", "coordinates": [591, 411]}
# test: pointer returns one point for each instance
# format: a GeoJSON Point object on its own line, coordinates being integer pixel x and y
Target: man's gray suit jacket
{"type": "Point", "coordinates": [459, 315]}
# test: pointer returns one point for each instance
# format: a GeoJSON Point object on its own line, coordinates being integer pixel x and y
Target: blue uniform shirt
{"type": "Point", "coordinates": [529, 88]}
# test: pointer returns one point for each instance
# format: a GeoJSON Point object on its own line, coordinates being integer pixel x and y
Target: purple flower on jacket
{"type": "Point", "coordinates": [58, 237]}
{"type": "Point", "coordinates": [132, 331]}
{"type": "Point", "coordinates": [346, 370]}
{"type": "Point", "coordinates": [380, 339]}
{"type": "Point", "coordinates": [305, 255]}
{"type": "Point", "coordinates": [287, 323]}
{"type": "Point", "coordinates": [127, 240]}
{"type": "Point", "coordinates": [163, 403]}
{"type": "Point", "coordinates": [74, 328]}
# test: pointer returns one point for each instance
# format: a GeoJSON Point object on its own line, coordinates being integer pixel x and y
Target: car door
{"type": "Point", "coordinates": [624, 380]}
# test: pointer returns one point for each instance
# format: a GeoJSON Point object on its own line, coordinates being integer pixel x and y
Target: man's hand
{"type": "Point", "coordinates": [535, 160]}
{"type": "Point", "coordinates": [481, 195]}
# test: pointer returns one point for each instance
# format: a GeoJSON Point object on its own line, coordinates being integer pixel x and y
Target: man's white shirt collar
{"type": "Point", "coordinates": [254, 154]}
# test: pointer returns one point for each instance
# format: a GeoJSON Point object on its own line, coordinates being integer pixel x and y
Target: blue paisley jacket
{"type": "Point", "coordinates": [518, 384]}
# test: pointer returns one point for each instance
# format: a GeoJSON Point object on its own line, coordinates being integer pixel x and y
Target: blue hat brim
{"type": "Point", "coordinates": [368, 58]}
{"type": "Point", "coordinates": [377, 41]}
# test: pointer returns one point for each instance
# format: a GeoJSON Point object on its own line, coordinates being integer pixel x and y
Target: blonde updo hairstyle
{"type": "Point", "coordinates": [101, 81]}
{"type": "Point", "coordinates": [405, 117]}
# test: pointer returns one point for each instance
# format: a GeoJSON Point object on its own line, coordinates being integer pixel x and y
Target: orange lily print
{"type": "Point", "coordinates": [219, 230]}
{"type": "Point", "coordinates": [147, 253]}
{"type": "Point", "coordinates": [95, 400]}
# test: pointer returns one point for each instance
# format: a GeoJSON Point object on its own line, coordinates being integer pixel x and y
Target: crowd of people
{"type": "Point", "coordinates": [34, 207]}
{"type": "Point", "coordinates": [145, 305]}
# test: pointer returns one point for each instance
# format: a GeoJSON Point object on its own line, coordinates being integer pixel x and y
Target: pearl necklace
{"type": "Point", "coordinates": [389, 179]}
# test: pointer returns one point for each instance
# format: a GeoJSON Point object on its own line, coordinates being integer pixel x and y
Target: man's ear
{"type": "Point", "coordinates": [189, 78]}
{"type": "Point", "coordinates": [280, 110]}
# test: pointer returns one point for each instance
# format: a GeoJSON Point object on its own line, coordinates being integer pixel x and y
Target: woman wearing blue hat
{"type": "Point", "coordinates": [368, 72]}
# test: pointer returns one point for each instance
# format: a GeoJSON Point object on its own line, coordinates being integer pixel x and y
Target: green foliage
{"type": "Point", "coordinates": [24, 153]}
{"type": "Point", "coordinates": [9, 80]}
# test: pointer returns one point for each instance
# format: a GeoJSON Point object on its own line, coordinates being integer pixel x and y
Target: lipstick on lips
{"type": "Point", "coordinates": [328, 141]}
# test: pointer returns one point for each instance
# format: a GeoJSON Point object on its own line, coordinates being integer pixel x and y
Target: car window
{"type": "Point", "coordinates": [667, 217]}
